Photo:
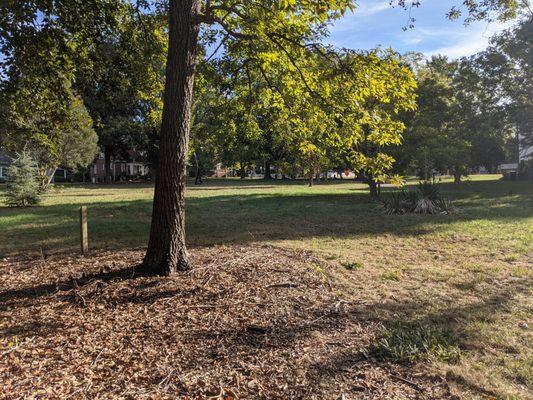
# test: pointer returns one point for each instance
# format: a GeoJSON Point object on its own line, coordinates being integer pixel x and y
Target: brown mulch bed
{"type": "Point", "coordinates": [247, 323]}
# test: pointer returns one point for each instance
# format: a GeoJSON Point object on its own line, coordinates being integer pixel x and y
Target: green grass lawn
{"type": "Point", "coordinates": [227, 211]}
{"type": "Point", "coordinates": [454, 290]}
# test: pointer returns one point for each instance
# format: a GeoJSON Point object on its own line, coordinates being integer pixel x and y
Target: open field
{"type": "Point", "coordinates": [439, 303]}
{"type": "Point", "coordinates": [233, 211]}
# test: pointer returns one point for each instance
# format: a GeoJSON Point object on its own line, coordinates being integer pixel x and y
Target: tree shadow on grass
{"type": "Point", "coordinates": [408, 328]}
{"type": "Point", "coordinates": [231, 219]}
{"type": "Point", "coordinates": [248, 217]}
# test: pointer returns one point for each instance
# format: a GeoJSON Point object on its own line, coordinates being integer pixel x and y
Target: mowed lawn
{"type": "Point", "coordinates": [452, 293]}
{"type": "Point", "coordinates": [330, 217]}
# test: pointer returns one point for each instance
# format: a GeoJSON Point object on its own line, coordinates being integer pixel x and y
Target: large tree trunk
{"type": "Point", "coordinates": [167, 253]}
{"type": "Point", "coordinates": [267, 170]}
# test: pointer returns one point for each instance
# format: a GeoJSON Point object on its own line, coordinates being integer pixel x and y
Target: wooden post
{"type": "Point", "coordinates": [84, 236]}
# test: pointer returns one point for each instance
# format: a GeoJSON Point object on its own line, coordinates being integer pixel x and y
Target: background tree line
{"type": "Point", "coordinates": [470, 113]}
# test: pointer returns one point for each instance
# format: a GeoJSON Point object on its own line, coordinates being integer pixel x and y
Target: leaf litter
{"type": "Point", "coordinates": [253, 322]}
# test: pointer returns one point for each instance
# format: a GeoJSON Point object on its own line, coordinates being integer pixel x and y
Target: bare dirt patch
{"type": "Point", "coordinates": [252, 322]}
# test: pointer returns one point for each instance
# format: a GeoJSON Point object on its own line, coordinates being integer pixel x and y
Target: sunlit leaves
{"type": "Point", "coordinates": [371, 89]}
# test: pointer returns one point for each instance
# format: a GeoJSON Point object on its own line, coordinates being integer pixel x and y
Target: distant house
{"type": "Point", "coordinates": [509, 170]}
{"type": "Point", "coordinates": [5, 161]}
{"type": "Point", "coordinates": [517, 169]}
{"type": "Point", "coordinates": [346, 174]}
{"type": "Point", "coordinates": [220, 171]}
{"type": "Point", "coordinates": [132, 167]}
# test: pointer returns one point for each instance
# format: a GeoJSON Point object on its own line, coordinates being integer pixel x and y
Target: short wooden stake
{"type": "Point", "coordinates": [84, 236]}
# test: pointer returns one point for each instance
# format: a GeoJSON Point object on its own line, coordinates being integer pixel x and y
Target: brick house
{"type": "Point", "coordinates": [132, 168]}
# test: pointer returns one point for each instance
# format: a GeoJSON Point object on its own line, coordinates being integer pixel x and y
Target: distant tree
{"type": "Point", "coordinates": [224, 118]}
{"type": "Point", "coordinates": [506, 68]}
{"type": "Point", "coordinates": [483, 117]}
{"type": "Point", "coordinates": [56, 132]}
{"type": "Point", "coordinates": [122, 84]}
{"type": "Point", "coordinates": [424, 137]}
{"type": "Point", "coordinates": [42, 44]}
{"type": "Point", "coordinates": [74, 147]}
{"type": "Point", "coordinates": [336, 108]}
{"type": "Point", "coordinates": [459, 123]}
{"type": "Point", "coordinates": [22, 185]}
{"type": "Point", "coordinates": [370, 91]}
{"type": "Point", "coordinates": [204, 151]}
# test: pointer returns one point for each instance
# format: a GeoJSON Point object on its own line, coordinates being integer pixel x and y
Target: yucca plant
{"type": "Point", "coordinates": [425, 206]}
{"type": "Point", "coordinates": [424, 199]}
{"type": "Point", "coordinates": [397, 203]}
{"type": "Point", "coordinates": [444, 205]}
{"type": "Point", "coordinates": [411, 198]}
{"type": "Point", "coordinates": [428, 190]}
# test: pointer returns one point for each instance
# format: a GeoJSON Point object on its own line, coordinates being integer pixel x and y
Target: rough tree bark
{"type": "Point", "coordinates": [167, 253]}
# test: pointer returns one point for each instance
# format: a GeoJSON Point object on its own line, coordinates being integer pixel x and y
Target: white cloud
{"type": "Point", "coordinates": [364, 9]}
{"type": "Point", "coordinates": [462, 42]}
{"type": "Point", "coordinates": [412, 40]}
{"type": "Point", "coordinates": [375, 23]}
{"type": "Point", "coordinates": [352, 20]}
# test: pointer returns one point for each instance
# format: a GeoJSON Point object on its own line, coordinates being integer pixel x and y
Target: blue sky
{"type": "Point", "coordinates": [375, 23]}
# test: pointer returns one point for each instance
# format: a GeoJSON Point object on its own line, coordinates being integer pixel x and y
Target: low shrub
{"type": "Point", "coordinates": [424, 199]}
